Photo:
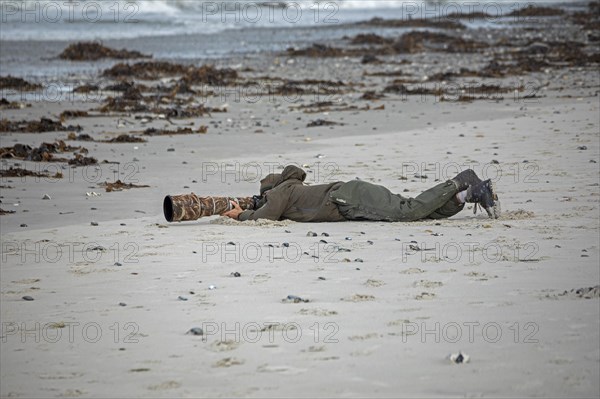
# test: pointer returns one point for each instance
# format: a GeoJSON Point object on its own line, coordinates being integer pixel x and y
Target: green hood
{"type": "Point", "coordinates": [274, 179]}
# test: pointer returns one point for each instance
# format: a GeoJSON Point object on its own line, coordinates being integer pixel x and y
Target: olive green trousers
{"type": "Point", "coordinates": [360, 200]}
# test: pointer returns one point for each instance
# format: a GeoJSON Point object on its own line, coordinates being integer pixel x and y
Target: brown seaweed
{"type": "Point", "coordinates": [409, 43]}
{"type": "Point", "coordinates": [72, 114]}
{"type": "Point", "coordinates": [125, 138]}
{"type": "Point", "coordinates": [44, 153]}
{"type": "Point", "coordinates": [122, 138]}
{"type": "Point", "coordinates": [318, 50]}
{"type": "Point", "coordinates": [164, 132]}
{"type": "Point", "coordinates": [87, 88]}
{"type": "Point", "coordinates": [5, 104]}
{"type": "Point", "coordinates": [20, 172]}
{"type": "Point", "coordinates": [322, 122]}
{"type": "Point", "coordinates": [11, 82]}
{"type": "Point", "coordinates": [81, 160]}
{"type": "Point", "coordinates": [419, 41]}
{"type": "Point", "coordinates": [370, 38]}
{"type": "Point", "coordinates": [536, 11]}
{"type": "Point", "coordinates": [206, 74]}
{"type": "Point", "coordinates": [93, 51]}
{"type": "Point", "coordinates": [41, 126]}
{"type": "Point", "coordinates": [437, 23]}
{"type": "Point", "coordinates": [119, 186]}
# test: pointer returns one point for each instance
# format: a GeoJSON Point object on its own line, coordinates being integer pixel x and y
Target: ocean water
{"type": "Point", "coordinates": [68, 20]}
{"type": "Point", "coordinates": [33, 33]}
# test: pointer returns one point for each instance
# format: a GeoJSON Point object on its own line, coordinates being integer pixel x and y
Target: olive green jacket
{"type": "Point", "coordinates": [287, 197]}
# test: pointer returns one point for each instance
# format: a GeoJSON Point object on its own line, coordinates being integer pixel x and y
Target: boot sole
{"type": "Point", "coordinates": [496, 208]}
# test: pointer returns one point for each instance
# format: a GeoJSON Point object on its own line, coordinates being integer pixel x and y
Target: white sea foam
{"type": "Point", "coordinates": [121, 19]}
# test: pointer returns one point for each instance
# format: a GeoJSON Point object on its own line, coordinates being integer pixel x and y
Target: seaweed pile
{"type": "Point", "coordinates": [41, 126]}
{"type": "Point", "coordinates": [46, 152]}
{"type": "Point", "coordinates": [94, 51]}
{"type": "Point", "coordinates": [10, 82]}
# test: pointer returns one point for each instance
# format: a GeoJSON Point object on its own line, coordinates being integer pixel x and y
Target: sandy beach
{"type": "Point", "coordinates": [101, 297]}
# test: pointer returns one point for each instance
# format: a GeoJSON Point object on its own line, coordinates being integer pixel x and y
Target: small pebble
{"type": "Point", "coordinates": [325, 234]}
{"type": "Point", "coordinates": [46, 197]}
{"type": "Point", "coordinates": [311, 234]}
{"type": "Point", "coordinates": [370, 242]}
{"type": "Point", "coordinates": [182, 298]}
{"type": "Point", "coordinates": [322, 278]}
{"type": "Point", "coordinates": [94, 223]}
{"type": "Point", "coordinates": [582, 147]}
{"type": "Point", "coordinates": [348, 238]}
{"type": "Point", "coordinates": [287, 231]}
{"type": "Point", "coordinates": [286, 244]}
{"type": "Point", "coordinates": [236, 274]}
{"type": "Point", "coordinates": [23, 225]}
{"type": "Point", "coordinates": [195, 331]}
{"type": "Point", "coordinates": [459, 358]}
{"type": "Point", "coordinates": [295, 299]}
{"type": "Point", "coordinates": [231, 243]}
{"type": "Point", "coordinates": [323, 241]}
{"type": "Point", "coordinates": [170, 149]}
{"type": "Point", "coordinates": [122, 304]}
{"type": "Point", "coordinates": [28, 298]}
{"type": "Point", "coordinates": [212, 287]}
{"type": "Point", "coordinates": [359, 260]}
{"type": "Point", "coordinates": [118, 264]}
{"type": "Point", "coordinates": [123, 224]}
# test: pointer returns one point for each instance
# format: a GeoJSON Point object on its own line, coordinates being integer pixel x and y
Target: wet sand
{"type": "Point", "coordinates": [115, 287]}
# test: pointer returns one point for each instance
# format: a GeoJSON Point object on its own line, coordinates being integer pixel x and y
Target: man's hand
{"type": "Point", "coordinates": [235, 212]}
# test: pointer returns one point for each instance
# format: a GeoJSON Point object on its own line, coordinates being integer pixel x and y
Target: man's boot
{"type": "Point", "coordinates": [483, 194]}
{"type": "Point", "coordinates": [179, 208]}
{"type": "Point", "coordinates": [465, 179]}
